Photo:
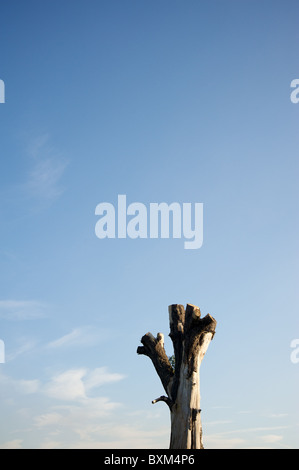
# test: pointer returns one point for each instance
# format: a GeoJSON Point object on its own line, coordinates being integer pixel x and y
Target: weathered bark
{"type": "Point", "coordinates": [191, 336]}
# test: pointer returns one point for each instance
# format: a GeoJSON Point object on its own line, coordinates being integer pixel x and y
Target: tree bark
{"type": "Point", "coordinates": [191, 336]}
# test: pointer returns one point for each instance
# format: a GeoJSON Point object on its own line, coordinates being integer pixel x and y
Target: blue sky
{"type": "Point", "coordinates": [163, 102]}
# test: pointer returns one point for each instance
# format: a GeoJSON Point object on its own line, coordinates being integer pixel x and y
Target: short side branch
{"type": "Point", "coordinates": [165, 399]}
{"type": "Point", "coordinates": [154, 349]}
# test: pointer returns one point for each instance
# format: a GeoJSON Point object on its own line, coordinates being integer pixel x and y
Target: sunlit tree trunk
{"type": "Point", "coordinates": [191, 336]}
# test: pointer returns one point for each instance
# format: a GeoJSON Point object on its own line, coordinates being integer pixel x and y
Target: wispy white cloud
{"type": "Point", "coordinates": [254, 437]}
{"type": "Point", "coordinates": [101, 376]}
{"type": "Point", "coordinates": [39, 185]}
{"type": "Point", "coordinates": [257, 429]}
{"type": "Point", "coordinates": [47, 419]}
{"type": "Point", "coordinates": [21, 386]}
{"type": "Point", "coordinates": [78, 414]}
{"type": "Point", "coordinates": [86, 410]}
{"type": "Point", "coordinates": [277, 415]}
{"type": "Point", "coordinates": [223, 442]}
{"type": "Point", "coordinates": [50, 444]}
{"type": "Point", "coordinates": [84, 336]}
{"type": "Point", "coordinates": [74, 384]}
{"type": "Point", "coordinates": [121, 436]}
{"type": "Point", "coordinates": [27, 346]}
{"type": "Point", "coordinates": [37, 144]}
{"type": "Point", "coordinates": [217, 422]}
{"type": "Point", "coordinates": [93, 425]}
{"type": "Point", "coordinates": [68, 403]}
{"type": "Point", "coordinates": [47, 169]}
{"type": "Point", "coordinates": [271, 438]}
{"type": "Point", "coordinates": [15, 444]}
{"type": "Point", "coordinates": [67, 385]}
{"type": "Point", "coordinates": [21, 309]}
{"type": "Point", "coordinates": [29, 386]}
{"type": "Point", "coordinates": [44, 178]}
{"type": "Point", "coordinates": [80, 336]}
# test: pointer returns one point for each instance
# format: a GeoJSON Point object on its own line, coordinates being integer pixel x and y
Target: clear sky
{"type": "Point", "coordinates": [162, 102]}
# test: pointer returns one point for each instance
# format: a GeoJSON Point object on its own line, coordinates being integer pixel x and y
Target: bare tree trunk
{"type": "Point", "coordinates": [191, 336]}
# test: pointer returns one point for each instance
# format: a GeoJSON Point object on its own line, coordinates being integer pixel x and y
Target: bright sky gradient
{"type": "Point", "coordinates": [162, 101]}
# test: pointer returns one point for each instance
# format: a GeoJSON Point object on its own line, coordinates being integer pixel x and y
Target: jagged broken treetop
{"type": "Point", "coordinates": [190, 335]}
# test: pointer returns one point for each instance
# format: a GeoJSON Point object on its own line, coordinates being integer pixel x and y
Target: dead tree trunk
{"type": "Point", "coordinates": [191, 336]}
